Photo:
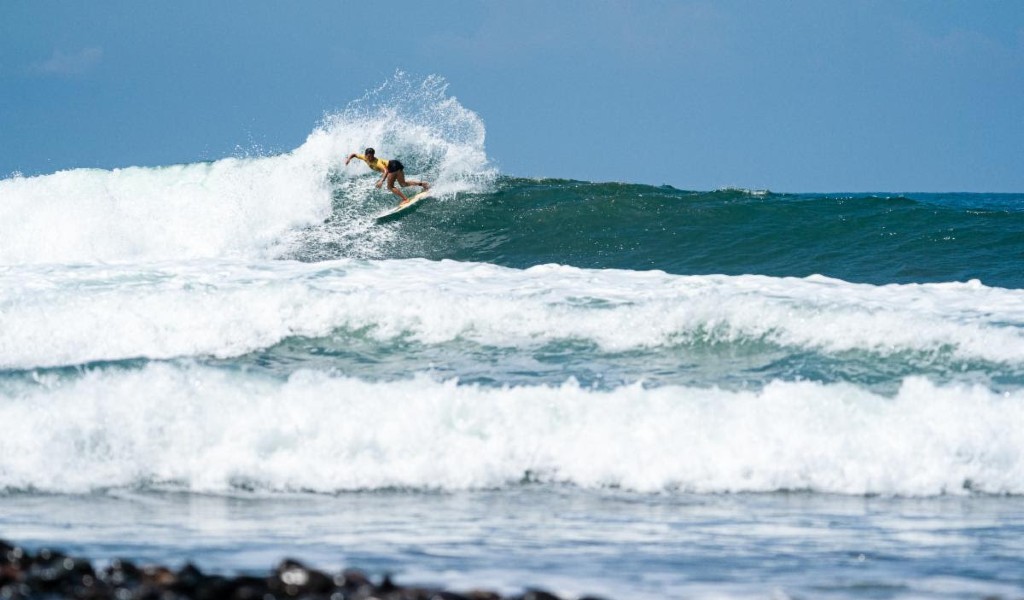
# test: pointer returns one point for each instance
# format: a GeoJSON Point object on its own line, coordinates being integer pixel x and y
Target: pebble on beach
{"type": "Point", "coordinates": [52, 574]}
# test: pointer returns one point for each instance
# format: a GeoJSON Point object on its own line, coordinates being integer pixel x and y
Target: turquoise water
{"type": "Point", "coordinates": [606, 388]}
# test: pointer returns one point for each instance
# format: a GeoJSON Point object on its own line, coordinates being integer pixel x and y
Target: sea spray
{"type": "Point", "coordinates": [255, 207]}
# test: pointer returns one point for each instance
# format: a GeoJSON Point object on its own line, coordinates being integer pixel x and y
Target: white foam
{"type": "Point", "coordinates": [217, 430]}
{"type": "Point", "coordinates": [254, 208]}
{"type": "Point", "coordinates": [56, 315]}
{"type": "Point", "coordinates": [231, 207]}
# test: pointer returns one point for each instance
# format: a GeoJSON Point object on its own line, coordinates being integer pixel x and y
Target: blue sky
{"type": "Point", "coordinates": [815, 95]}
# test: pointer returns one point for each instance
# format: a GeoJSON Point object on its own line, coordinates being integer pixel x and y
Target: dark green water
{"type": "Point", "coordinates": [868, 238]}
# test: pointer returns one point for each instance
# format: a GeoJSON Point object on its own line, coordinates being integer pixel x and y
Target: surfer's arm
{"type": "Point", "coordinates": [350, 157]}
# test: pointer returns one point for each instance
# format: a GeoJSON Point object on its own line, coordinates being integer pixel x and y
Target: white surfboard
{"type": "Point", "coordinates": [394, 212]}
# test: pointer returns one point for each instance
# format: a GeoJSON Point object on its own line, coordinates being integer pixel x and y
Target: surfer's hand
{"type": "Point", "coordinates": [379, 183]}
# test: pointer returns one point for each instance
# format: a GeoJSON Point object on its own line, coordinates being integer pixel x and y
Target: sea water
{"type": "Point", "coordinates": [616, 389]}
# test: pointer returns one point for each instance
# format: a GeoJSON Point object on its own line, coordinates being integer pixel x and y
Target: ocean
{"type": "Point", "coordinates": [615, 389]}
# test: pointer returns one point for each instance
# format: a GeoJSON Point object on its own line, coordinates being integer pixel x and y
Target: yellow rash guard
{"type": "Point", "coordinates": [377, 164]}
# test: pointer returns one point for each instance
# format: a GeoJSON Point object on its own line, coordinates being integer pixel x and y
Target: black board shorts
{"type": "Point", "coordinates": [394, 166]}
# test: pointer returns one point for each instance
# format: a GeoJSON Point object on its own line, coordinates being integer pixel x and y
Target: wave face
{"type": "Point", "coordinates": [244, 324]}
{"type": "Point", "coordinates": [863, 238]}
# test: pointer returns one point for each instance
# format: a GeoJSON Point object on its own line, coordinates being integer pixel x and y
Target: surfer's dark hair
{"type": "Point", "coordinates": [369, 151]}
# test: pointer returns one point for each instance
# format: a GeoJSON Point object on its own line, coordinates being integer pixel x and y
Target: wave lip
{"type": "Point", "coordinates": [228, 208]}
{"type": "Point", "coordinates": [210, 430]}
{"type": "Point", "coordinates": [254, 208]}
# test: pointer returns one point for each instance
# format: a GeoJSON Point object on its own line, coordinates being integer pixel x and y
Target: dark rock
{"type": "Point", "coordinates": [293, 579]}
{"type": "Point", "coordinates": [12, 555]}
{"type": "Point", "coordinates": [122, 573]}
{"type": "Point", "coordinates": [539, 595]}
{"type": "Point", "coordinates": [246, 588]}
{"type": "Point", "coordinates": [187, 580]}
{"type": "Point", "coordinates": [354, 582]}
{"type": "Point", "coordinates": [53, 575]}
{"type": "Point", "coordinates": [482, 595]}
{"type": "Point", "coordinates": [442, 595]}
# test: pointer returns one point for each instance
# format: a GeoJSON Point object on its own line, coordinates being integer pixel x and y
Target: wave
{"type": "Point", "coordinates": [862, 238]}
{"type": "Point", "coordinates": [305, 205]}
{"type": "Point", "coordinates": [71, 315]}
{"type": "Point", "coordinates": [247, 208]}
{"type": "Point", "coordinates": [231, 207]}
{"type": "Point", "coordinates": [216, 430]}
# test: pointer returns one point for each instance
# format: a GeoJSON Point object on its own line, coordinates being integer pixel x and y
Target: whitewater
{"type": "Point", "coordinates": [630, 390]}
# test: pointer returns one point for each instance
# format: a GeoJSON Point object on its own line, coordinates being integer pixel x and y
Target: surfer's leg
{"type": "Point", "coordinates": [394, 190]}
{"type": "Point", "coordinates": [404, 183]}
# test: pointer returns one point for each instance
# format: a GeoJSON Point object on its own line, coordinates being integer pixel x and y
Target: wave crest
{"type": "Point", "coordinates": [253, 207]}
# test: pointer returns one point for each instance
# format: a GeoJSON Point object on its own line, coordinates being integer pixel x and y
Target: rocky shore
{"type": "Point", "coordinates": [52, 574]}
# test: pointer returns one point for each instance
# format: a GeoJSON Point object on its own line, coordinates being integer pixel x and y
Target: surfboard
{"type": "Point", "coordinates": [395, 212]}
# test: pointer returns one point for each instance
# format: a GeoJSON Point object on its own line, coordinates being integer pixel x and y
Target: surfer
{"type": "Point", "coordinates": [392, 171]}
